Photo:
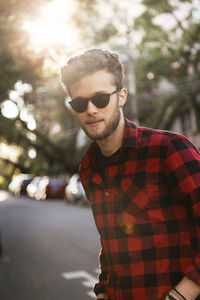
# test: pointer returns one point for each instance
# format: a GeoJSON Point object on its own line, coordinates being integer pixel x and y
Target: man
{"type": "Point", "coordinates": [143, 186]}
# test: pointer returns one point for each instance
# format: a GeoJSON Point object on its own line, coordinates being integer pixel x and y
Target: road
{"type": "Point", "coordinates": [50, 250]}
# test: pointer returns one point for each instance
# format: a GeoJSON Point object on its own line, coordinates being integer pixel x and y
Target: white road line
{"type": "Point", "coordinates": [97, 270]}
{"type": "Point", "coordinates": [91, 294]}
{"type": "Point", "coordinates": [3, 195]}
{"type": "Point", "coordinates": [89, 280]}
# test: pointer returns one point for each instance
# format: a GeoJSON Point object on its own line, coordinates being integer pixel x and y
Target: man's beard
{"type": "Point", "coordinates": [111, 126]}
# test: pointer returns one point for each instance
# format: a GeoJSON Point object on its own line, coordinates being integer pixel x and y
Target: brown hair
{"type": "Point", "coordinates": [89, 62]}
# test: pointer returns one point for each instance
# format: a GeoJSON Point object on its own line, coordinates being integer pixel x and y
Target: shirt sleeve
{"type": "Point", "coordinates": [183, 162]}
{"type": "Point", "coordinates": [100, 287]}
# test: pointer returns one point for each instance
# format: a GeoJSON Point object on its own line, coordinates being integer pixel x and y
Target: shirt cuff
{"type": "Point", "coordinates": [100, 288]}
{"type": "Point", "coordinates": [193, 271]}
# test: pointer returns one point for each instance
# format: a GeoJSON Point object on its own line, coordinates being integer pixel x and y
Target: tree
{"type": "Point", "coordinates": [15, 59]}
{"type": "Point", "coordinates": [172, 54]}
{"type": "Point", "coordinates": [54, 136]}
{"type": "Point", "coordinates": [169, 52]}
{"type": "Point", "coordinates": [161, 66]}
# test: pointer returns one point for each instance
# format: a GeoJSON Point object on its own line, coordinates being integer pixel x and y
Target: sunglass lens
{"type": "Point", "coordinates": [101, 101]}
{"type": "Point", "coordinates": [79, 104]}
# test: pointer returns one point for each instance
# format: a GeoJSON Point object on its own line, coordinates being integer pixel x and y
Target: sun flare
{"type": "Point", "coordinates": [53, 26]}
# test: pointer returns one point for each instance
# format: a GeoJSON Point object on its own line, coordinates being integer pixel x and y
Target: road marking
{"type": "Point", "coordinates": [97, 270]}
{"type": "Point", "coordinates": [3, 195]}
{"type": "Point", "coordinates": [89, 280]}
{"type": "Point", "coordinates": [91, 294]}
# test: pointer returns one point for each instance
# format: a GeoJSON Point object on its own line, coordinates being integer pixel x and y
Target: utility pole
{"type": "Point", "coordinates": [128, 56]}
{"type": "Point", "coordinates": [132, 88]}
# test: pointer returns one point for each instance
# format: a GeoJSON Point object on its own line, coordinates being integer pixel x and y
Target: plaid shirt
{"type": "Point", "coordinates": [146, 206]}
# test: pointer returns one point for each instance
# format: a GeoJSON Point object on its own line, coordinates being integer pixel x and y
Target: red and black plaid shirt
{"type": "Point", "coordinates": [146, 205]}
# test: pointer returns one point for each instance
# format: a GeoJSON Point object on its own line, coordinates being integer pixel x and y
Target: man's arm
{"type": "Point", "coordinates": [184, 168]}
{"type": "Point", "coordinates": [100, 287]}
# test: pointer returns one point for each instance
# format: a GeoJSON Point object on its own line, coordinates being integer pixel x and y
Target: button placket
{"type": "Point", "coordinates": [107, 194]}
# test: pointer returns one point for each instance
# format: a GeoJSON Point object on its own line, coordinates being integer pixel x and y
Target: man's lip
{"type": "Point", "coordinates": [94, 122]}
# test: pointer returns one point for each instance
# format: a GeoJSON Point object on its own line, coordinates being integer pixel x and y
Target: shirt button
{"type": "Point", "coordinates": [117, 283]}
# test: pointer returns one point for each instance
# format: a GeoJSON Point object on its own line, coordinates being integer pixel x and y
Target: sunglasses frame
{"type": "Point", "coordinates": [92, 99]}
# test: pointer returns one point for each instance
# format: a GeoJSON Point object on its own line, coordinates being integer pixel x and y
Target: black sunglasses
{"type": "Point", "coordinates": [80, 104]}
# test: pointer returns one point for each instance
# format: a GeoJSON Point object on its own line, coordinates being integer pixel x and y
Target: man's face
{"type": "Point", "coordinates": [98, 123]}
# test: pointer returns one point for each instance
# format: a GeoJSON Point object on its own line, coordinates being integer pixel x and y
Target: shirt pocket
{"type": "Point", "coordinates": [135, 198]}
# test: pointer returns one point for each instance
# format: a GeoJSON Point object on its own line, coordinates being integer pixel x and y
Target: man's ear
{"type": "Point", "coordinates": [122, 96]}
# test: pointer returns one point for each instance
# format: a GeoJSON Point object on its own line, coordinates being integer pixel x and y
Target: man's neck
{"type": "Point", "coordinates": [113, 142]}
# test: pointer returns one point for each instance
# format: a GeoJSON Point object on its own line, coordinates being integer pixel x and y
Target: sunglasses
{"type": "Point", "coordinates": [80, 104]}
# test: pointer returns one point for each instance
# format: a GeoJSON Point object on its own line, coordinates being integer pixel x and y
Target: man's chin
{"type": "Point", "coordinates": [97, 136]}
{"type": "Point", "coordinates": [94, 135]}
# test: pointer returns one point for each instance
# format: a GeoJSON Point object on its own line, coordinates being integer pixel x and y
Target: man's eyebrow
{"type": "Point", "coordinates": [101, 92]}
{"type": "Point", "coordinates": [95, 94]}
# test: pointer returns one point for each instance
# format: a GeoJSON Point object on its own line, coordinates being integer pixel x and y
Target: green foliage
{"type": "Point", "coordinates": [171, 54]}
{"type": "Point", "coordinates": [15, 60]}
{"type": "Point", "coordinates": [19, 62]}
{"type": "Point", "coordinates": [161, 55]}
{"type": "Point", "coordinates": [196, 105]}
{"type": "Point", "coordinates": [105, 33]}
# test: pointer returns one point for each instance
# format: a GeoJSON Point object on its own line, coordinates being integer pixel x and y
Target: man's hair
{"type": "Point", "coordinates": [89, 62]}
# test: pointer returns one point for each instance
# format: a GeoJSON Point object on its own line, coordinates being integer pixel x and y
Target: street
{"type": "Point", "coordinates": [50, 250]}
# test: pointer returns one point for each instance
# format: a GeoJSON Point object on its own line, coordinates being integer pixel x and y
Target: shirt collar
{"type": "Point", "coordinates": [129, 140]}
{"type": "Point", "coordinates": [130, 134]}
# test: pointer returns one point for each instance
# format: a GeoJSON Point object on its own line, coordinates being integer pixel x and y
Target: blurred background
{"type": "Point", "coordinates": [49, 249]}
{"type": "Point", "coordinates": [158, 42]}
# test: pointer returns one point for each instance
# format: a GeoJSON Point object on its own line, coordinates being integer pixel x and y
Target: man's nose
{"type": "Point", "coordinates": [91, 108]}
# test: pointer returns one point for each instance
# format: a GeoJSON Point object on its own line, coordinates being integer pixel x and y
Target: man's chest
{"type": "Point", "coordinates": [131, 190]}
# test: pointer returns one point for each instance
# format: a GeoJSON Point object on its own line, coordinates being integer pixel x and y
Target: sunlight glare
{"type": "Point", "coordinates": [31, 136]}
{"type": "Point", "coordinates": [168, 21]}
{"type": "Point", "coordinates": [9, 109]}
{"type": "Point", "coordinates": [32, 153]}
{"type": "Point", "coordinates": [27, 117]}
{"type": "Point", "coordinates": [11, 153]}
{"type": "Point", "coordinates": [31, 123]}
{"type": "Point", "coordinates": [22, 87]}
{"type": "Point", "coordinates": [24, 115]}
{"type": "Point", "coordinates": [13, 95]}
{"type": "Point", "coordinates": [52, 27]}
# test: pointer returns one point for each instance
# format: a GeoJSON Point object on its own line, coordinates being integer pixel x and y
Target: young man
{"type": "Point", "coordinates": [143, 186]}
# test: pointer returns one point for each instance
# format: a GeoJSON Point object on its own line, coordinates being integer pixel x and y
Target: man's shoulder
{"type": "Point", "coordinates": [88, 156]}
{"type": "Point", "coordinates": [147, 132]}
{"type": "Point", "coordinates": [146, 136]}
{"type": "Point", "coordinates": [165, 138]}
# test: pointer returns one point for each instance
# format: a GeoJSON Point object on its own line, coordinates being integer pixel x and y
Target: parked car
{"type": "Point", "coordinates": [33, 186]}
{"type": "Point", "coordinates": [19, 184]}
{"type": "Point", "coordinates": [74, 191]}
{"type": "Point", "coordinates": [51, 187]}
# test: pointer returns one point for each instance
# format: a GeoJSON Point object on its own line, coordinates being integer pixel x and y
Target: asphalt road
{"type": "Point", "coordinates": [50, 250]}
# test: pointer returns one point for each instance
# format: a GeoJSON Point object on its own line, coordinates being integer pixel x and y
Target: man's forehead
{"type": "Point", "coordinates": [100, 81]}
